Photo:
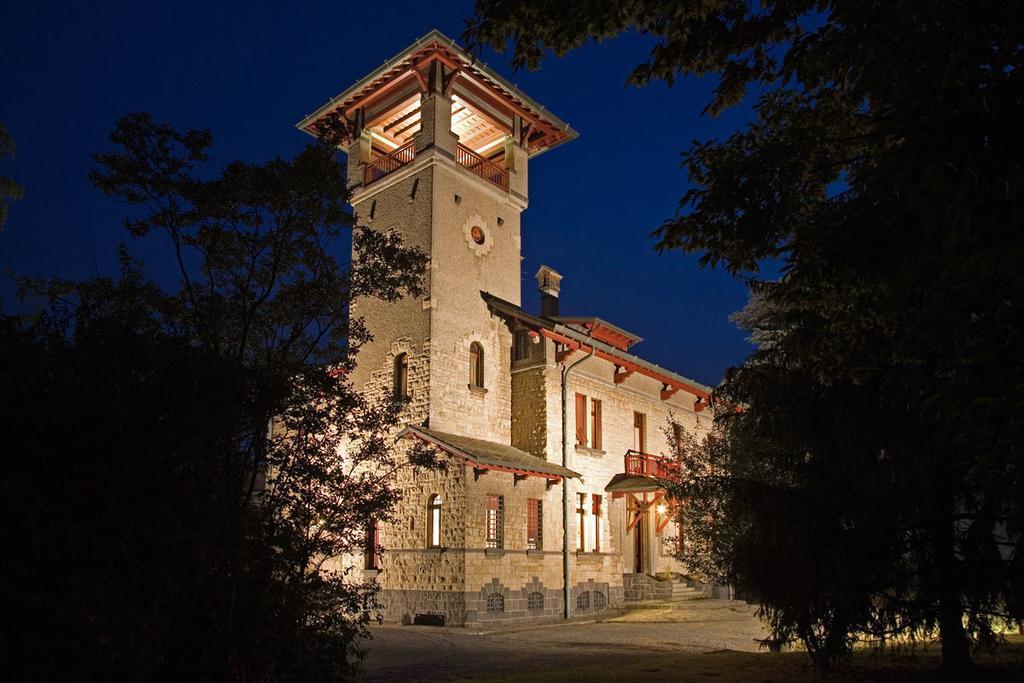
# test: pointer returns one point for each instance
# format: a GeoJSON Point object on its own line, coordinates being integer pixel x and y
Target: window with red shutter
{"type": "Point", "coordinates": [534, 524]}
{"type": "Point", "coordinates": [581, 420]}
{"type": "Point", "coordinates": [595, 424]}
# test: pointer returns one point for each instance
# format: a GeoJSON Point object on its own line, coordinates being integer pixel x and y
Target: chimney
{"type": "Point", "coordinates": [549, 282]}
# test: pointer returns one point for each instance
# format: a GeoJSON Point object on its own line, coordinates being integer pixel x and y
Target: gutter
{"type": "Point", "coordinates": [566, 369]}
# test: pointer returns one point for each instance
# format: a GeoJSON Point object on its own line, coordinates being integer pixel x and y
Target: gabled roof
{"type": "Point", "coordinates": [489, 454]}
{"type": "Point", "coordinates": [547, 130]}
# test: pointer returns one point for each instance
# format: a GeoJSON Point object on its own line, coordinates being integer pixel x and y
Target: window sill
{"type": "Point", "coordinates": [589, 451]}
{"type": "Point", "coordinates": [535, 552]}
{"type": "Point", "coordinates": [494, 552]}
{"type": "Point", "coordinates": [436, 549]}
{"type": "Point", "coordinates": [371, 572]}
{"type": "Point", "coordinates": [477, 391]}
{"type": "Point", "coordinates": [590, 555]}
{"type": "Point", "coordinates": [402, 399]}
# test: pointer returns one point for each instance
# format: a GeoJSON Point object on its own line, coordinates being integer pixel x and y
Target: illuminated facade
{"type": "Point", "coordinates": [531, 521]}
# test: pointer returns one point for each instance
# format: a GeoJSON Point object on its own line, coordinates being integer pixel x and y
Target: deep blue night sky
{"type": "Point", "coordinates": [249, 73]}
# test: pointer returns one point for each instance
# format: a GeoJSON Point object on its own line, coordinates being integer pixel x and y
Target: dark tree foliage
{"type": "Point", "coordinates": [9, 190]}
{"type": "Point", "coordinates": [874, 482]}
{"type": "Point", "coordinates": [185, 467]}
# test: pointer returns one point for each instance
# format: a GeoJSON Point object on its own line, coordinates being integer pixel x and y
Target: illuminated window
{"type": "Point", "coordinates": [401, 377]}
{"type": "Point", "coordinates": [434, 521]}
{"type": "Point", "coordinates": [476, 365]}
{"type": "Point", "coordinates": [495, 522]}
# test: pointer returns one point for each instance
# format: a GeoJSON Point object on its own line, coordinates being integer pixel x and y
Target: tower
{"type": "Point", "coordinates": [440, 152]}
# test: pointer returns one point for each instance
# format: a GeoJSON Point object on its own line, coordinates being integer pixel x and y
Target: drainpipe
{"type": "Point", "coordinates": [566, 369]}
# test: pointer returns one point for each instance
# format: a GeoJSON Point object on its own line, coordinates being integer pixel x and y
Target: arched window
{"type": "Point", "coordinates": [476, 365]}
{"type": "Point", "coordinates": [535, 600]}
{"type": "Point", "coordinates": [434, 521]}
{"type": "Point", "coordinates": [600, 601]}
{"type": "Point", "coordinates": [583, 601]}
{"type": "Point", "coordinates": [401, 377]}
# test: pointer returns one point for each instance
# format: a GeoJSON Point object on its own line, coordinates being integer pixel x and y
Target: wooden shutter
{"type": "Point", "coordinates": [581, 420]}
{"type": "Point", "coordinates": [595, 418]}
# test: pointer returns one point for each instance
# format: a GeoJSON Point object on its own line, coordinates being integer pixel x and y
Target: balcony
{"type": "Point", "coordinates": [646, 465]}
{"type": "Point", "coordinates": [488, 170]}
{"type": "Point", "coordinates": [388, 164]}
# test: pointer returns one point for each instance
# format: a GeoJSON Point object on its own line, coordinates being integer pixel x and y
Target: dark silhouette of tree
{"type": "Point", "coordinates": [186, 467]}
{"type": "Point", "coordinates": [873, 483]}
{"type": "Point", "coordinates": [9, 190]}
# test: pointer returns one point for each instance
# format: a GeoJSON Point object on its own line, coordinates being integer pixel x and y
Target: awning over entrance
{"type": "Point", "coordinates": [489, 455]}
{"type": "Point", "coordinates": [627, 483]}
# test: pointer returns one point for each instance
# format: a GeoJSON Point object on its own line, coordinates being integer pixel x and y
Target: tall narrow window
{"type": "Point", "coordinates": [677, 435]}
{"type": "Point", "coordinates": [595, 510]}
{"type": "Point", "coordinates": [476, 365]}
{"type": "Point", "coordinates": [534, 524]}
{"type": "Point", "coordinates": [595, 424]}
{"type": "Point", "coordinates": [401, 377]}
{"type": "Point", "coordinates": [521, 345]}
{"type": "Point", "coordinates": [370, 555]}
{"type": "Point", "coordinates": [434, 521]}
{"type": "Point", "coordinates": [640, 432]}
{"type": "Point", "coordinates": [581, 420]}
{"type": "Point", "coordinates": [581, 519]}
{"type": "Point", "coordinates": [495, 522]}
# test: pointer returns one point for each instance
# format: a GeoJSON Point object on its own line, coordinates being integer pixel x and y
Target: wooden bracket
{"type": "Point", "coordinates": [479, 472]}
{"type": "Point", "coordinates": [641, 509]}
{"type": "Point", "coordinates": [699, 405]}
{"type": "Point", "coordinates": [663, 520]}
{"type": "Point", "coordinates": [668, 392]}
{"type": "Point", "coordinates": [621, 374]}
{"type": "Point", "coordinates": [420, 79]}
{"type": "Point", "coordinates": [516, 478]}
{"type": "Point", "coordinates": [562, 354]}
{"type": "Point", "coordinates": [449, 82]}
{"type": "Point", "coordinates": [550, 483]}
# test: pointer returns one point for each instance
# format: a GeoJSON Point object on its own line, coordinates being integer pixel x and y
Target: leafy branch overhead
{"type": "Point", "coordinates": [881, 174]}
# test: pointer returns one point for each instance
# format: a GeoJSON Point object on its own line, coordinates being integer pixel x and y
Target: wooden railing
{"type": "Point", "coordinates": [488, 170]}
{"type": "Point", "coordinates": [646, 465]}
{"type": "Point", "coordinates": [389, 163]}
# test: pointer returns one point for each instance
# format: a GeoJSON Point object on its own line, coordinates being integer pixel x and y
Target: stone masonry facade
{"type": "Point", "coordinates": [482, 544]}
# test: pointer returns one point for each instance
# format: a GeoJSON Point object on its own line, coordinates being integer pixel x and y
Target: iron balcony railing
{"type": "Point", "coordinates": [647, 465]}
{"type": "Point", "coordinates": [389, 163]}
{"type": "Point", "coordinates": [488, 170]}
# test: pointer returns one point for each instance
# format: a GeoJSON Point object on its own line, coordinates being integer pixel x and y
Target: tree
{"type": "Point", "coordinates": [185, 469]}
{"type": "Point", "coordinates": [883, 410]}
{"type": "Point", "coordinates": [9, 190]}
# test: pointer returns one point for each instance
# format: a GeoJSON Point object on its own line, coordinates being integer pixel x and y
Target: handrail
{"type": "Point", "coordinates": [488, 170]}
{"type": "Point", "coordinates": [389, 163]}
{"type": "Point", "coordinates": [647, 465]}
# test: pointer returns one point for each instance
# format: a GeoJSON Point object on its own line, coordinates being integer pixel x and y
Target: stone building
{"type": "Point", "coordinates": [550, 505]}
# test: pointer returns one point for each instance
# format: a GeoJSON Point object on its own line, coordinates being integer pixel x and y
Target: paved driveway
{"type": "Point", "coordinates": [635, 644]}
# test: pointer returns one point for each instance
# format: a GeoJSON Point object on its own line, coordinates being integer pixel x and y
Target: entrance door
{"type": "Point", "coordinates": [639, 549]}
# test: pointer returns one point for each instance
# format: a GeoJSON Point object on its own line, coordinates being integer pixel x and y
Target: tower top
{"type": "Point", "coordinates": [487, 110]}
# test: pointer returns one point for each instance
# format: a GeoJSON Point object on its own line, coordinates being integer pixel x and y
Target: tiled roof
{"type": "Point", "coordinates": [488, 453]}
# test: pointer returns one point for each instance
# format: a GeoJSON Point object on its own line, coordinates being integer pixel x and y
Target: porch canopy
{"type": "Point", "coordinates": [488, 455]}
